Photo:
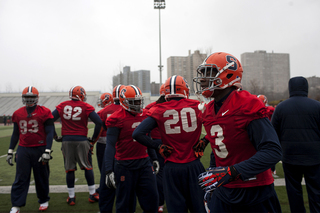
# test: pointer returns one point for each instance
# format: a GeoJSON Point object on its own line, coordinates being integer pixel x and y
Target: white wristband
{"type": "Point", "coordinates": [10, 151]}
{"type": "Point", "coordinates": [47, 150]}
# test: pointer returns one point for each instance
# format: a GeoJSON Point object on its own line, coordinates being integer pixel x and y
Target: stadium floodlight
{"type": "Point", "coordinates": [160, 4]}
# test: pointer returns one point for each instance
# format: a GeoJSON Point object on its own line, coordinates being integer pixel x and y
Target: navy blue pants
{"type": "Point", "coordinates": [106, 195]}
{"type": "Point", "coordinates": [181, 189]}
{"type": "Point", "coordinates": [269, 205]}
{"type": "Point", "coordinates": [100, 147]}
{"type": "Point", "coordinates": [293, 177]}
{"type": "Point", "coordinates": [27, 159]}
{"type": "Point", "coordinates": [140, 183]}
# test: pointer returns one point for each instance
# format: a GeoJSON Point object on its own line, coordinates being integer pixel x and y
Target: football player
{"type": "Point", "coordinates": [244, 143]}
{"type": "Point", "coordinates": [132, 175]}
{"type": "Point", "coordinates": [76, 147]}
{"type": "Point", "coordinates": [155, 135]}
{"type": "Point", "coordinates": [107, 194]}
{"type": "Point", "coordinates": [33, 129]}
{"type": "Point", "coordinates": [264, 99]}
{"type": "Point", "coordinates": [180, 122]}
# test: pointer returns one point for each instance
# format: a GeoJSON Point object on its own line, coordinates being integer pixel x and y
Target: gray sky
{"type": "Point", "coordinates": [55, 44]}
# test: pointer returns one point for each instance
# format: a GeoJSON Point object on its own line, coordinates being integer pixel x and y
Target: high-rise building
{"type": "Point", "coordinates": [185, 66]}
{"type": "Point", "coordinates": [139, 78]}
{"type": "Point", "coordinates": [266, 73]}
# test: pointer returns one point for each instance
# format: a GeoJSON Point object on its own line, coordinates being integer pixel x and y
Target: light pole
{"type": "Point", "coordinates": [160, 4]}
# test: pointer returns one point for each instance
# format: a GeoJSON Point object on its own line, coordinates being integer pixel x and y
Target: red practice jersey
{"type": "Point", "coordinates": [155, 134]}
{"type": "Point", "coordinates": [180, 124]}
{"type": "Point", "coordinates": [227, 133]}
{"type": "Point", "coordinates": [31, 129]}
{"type": "Point", "coordinates": [126, 147]}
{"type": "Point", "coordinates": [105, 113]}
{"type": "Point", "coordinates": [74, 117]}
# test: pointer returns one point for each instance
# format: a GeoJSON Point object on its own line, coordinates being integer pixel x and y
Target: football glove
{"type": "Point", "coordinates": [46, 156]}
{"type": "Point", "coordinates": [10, 157]}
{"type": "Point", "coordinates": [110, 182]}
{"type": "Point", "coordinates": [156, 166]}
{"type": "Point", "coordinates": [165, 150]}
{"type": "Point", "coordinates": [200, 146]}
{"type": "Point", "coordinates": [57, 138]}
{"type": "Point", "coordinates": [217, 177]}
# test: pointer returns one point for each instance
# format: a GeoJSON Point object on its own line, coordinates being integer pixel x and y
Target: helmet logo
{"type": "Point", "coordinates": [82, 91]}
{"type": "Point", "coordinates": [231, 59]}
{"type": "Point", "coordinates": [122, 95]}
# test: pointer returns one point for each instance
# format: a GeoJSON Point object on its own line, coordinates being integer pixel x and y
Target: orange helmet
{"type": "Point", "coordinates": [263, 98]}
{"type": "Point", "coordinates": [176, 86]}
{"type": "Point", "coordinates": [131, 99]}
{"type": "Point", "coordinates": [77, 93]}
{"type": "Point", "coordinates": [229, 73]}
{"type": "Point", "coordinates": [30, 96]}
{"type": "Point", "coordinates": [116, 92]}
{"type": "Point", "coordinates": [162, 90]}
{"type": "Point", "coordinates": [105, 100]}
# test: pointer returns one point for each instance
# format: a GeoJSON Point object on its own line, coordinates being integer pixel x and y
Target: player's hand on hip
{"type": "Point", "coordinates": [110, 181]}
{"type": "Point", "coordinates": [10, 157]}
{"type": "Point", "coordinates": [46, 156]}
{"type": "Point", "coordinates": [217, 177]}
{"type": "Point", "coordinates": [156, 166]}
{"type": "Point", "coordinates": [200, 147]}
{"type": "Point", "coordinates": [165, 150]}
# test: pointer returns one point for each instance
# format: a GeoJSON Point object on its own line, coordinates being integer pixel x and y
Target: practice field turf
{"type": "Point", "coordinates": [57, 177]}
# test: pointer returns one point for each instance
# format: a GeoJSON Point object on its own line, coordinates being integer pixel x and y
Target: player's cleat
{"type": "Point", "coordinates": [44, 206]}
{"type": "Point", "coordinates": [94, 198]}
{"type": "Point", "coordinates": [15, 210]}
{"type": "Point", "coordinates": [71, 201]}
{"type": "Point", "coordinates": [160, 209]}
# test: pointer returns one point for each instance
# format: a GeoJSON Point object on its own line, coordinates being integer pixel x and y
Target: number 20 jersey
{"type": "Point", "coordinates": [31, 129]}
{"type": "Point", "coordinates": [227, 133]}
{"type": "Point", "coordinates": [180, 125]}
{"type": "Point", "coordinates": [74, 117]}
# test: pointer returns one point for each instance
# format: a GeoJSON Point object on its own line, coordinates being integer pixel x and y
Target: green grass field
{"type": "Point", "coordinates": [57, 177]}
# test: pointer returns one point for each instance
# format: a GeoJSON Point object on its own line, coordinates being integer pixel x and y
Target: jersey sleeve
{"type": "Point", "coordinates": [89, 109]}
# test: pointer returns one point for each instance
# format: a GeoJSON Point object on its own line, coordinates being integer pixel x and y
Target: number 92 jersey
{"type": "Point", "coordinates": [74, 117]}
{"type": "Point", "coordinates": [31, 128]}
{"type": "Point", "coordinates": [227, 133]}
{"type": "Point", "coordinates": [180, 125]}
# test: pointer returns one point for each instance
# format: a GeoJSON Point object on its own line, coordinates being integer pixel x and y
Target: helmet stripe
{"type": "Point", "coordinates": [173, 84]}
{"type": "Point", "coordinates": [118, 90]}
{"type": "Point", "coordinates": [29, 89]}
{"type": "Point", "coordinates": [71, 91]}
{"type": "Point", "coordinates": [135, 89]}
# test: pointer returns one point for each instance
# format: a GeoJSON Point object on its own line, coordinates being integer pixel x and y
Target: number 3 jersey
{"type": "Point", "coordinates": [74, 117]}
{"type": "Point", "coordinates": [180, 125]}
{"type": "Point", "coordinates": [31, 128]}
{"type": "Point", "coordinates": [227, 133]}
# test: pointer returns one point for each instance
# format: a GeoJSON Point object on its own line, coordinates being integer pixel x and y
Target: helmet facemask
{"type": "Point", "coordinates": [30, 100]}
{"type": "Point", "coordinates": [134, 105]}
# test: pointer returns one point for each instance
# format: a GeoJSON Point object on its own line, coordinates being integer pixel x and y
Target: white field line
{"type": "Point", "coordinates": [2, 156]}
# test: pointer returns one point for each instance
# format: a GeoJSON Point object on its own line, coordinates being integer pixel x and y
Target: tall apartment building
{"type": "Point", "coordinates": [266, 73]}
{"type": "Point", "coordinates": [139, 78]}
{"type": "Point", "coordinates": [185, 66]}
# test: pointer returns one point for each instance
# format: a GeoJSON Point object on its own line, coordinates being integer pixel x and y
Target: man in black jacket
{"type": "Point", "coordinates": [297, 123]}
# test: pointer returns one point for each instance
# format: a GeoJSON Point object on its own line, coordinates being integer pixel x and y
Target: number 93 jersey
{"type": "Point", "coordinates": [228, 136]}
{"type": "Point", "coordinates": [74, 117]}
{"type": "Point", "coordinates": [31, 128]}
{"type": "Point", "coordinates": [180, 125]}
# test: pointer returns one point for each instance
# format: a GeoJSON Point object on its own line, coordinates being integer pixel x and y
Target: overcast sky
{"type": "Point", "coordinates": [55, 44]}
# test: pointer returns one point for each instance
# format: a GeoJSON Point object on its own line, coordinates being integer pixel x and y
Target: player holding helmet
{"type": "Point", "coordinates": [180, 122]}
{"type": "Point", "coordinates": [33, 129]}
{"type": "Point", "coordinates": [132, 174]}
{"type": "Point", "coordinates": [243, 140]}
{"type": "Point", "coordinates": [74, 116]}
